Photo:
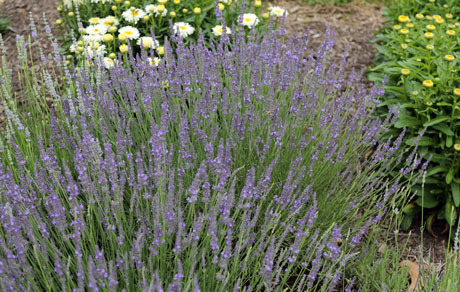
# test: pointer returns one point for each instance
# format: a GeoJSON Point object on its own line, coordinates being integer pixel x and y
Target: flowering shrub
{"type": "Point", "coordinates": [216, 170]}
{"type": "Point", "coordinates": [101, 27]}
{"type": "Point", "coordinates": [419, 53]}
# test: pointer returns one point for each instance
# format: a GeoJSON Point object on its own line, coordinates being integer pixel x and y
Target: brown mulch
{"type": "Point", "coordinates": [354, 25]}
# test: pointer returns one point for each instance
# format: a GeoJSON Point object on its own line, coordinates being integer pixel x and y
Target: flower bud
{"type": "Point", "coordinates": [257, 3]}
{"type": "Point", "coordinates": [112, 56]}
{"type": "Point", "coordinates": [114, 8]}
{"type": "Point", "coordinates": [265, 15]}
{"type": "Point", "coordinates": [146, 18]}
{"type": "Point", "coordinates": [161, 51]}
{"type": "Point", "coordinates": [107, 37]}
{"type": "Point", "coordinates": [59, 21]}
{"type": "Point", "coordinates": [172, 14]}
{"type": "Point", "coordinates": [80, 43]}
{"type": "Point", "coordinates": [197, 10]}
{"type": "Point", "coordinates": [127, 3]}
{"type": "Point", "coordinates": [185, 10]}
{"type": "Point", "coordinates": [176, 1]}
{"type": "Point", "coordinates": [163, 2]}
{"type": "Point", "coordinates": [59, 9]}
{"type": "Point", "coordinates": [112, 29]}
{"type": "Point", "coordinates": [161, 8]}
{"type": "Point", "coordinates": [71, 14]}
{"type": "Point", "coordinates": [123, 48]}
{"type": "Point", "coordinates": [221, 6]}
{"type": "Point", "coordinates": [122, 38]}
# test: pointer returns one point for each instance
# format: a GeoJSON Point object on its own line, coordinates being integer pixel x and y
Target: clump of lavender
{"type": "Point", "coordinates": [217, 170]}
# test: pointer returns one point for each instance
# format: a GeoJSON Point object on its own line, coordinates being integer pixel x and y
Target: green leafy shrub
{"type": "Point", "coordinates": [419, 54]}
{"type": "Point", "coordinates": [103, 28]}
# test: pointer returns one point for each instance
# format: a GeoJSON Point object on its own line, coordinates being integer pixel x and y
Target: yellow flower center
{"type": "Point", "coordinates": [405, 71]}
{"type": "Point", "coordinates": [428, 83]}
{"type": "Point", "coordinates": [449, 57]}
{"type": "Point", "coordinates": [247, 19]}
{"type": "Point", "coordinates": [128, 32]}
{"type": "Point", "coordinates": [457, 91]}
{"type": "Point", "coordinates": [450, 32]}
{"type": "Point", "coordinates": [457, 146]}
{"type": "Point", "coordinates": [182, 27]}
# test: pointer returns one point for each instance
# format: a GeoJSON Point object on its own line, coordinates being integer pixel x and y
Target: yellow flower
{"type": "Point", "coordinates": [197, 10]}
{"type": "Point", "coordinates": [457, 24]}
{"type": "Point", "coordinates": [165, 84]}
{"type": "Point", "coordinates": [448, 15]}
{"type": "Point", "coordinates": [439, 20]}
{"type": "Point", "coordinates": [419, 16]}
{"type": "Point", "coordinates": [449, 57]}
{"type": "Point", "coordinates": [176, 1]}
{"type": "Point", "coordinates": [457, 146]}
{"type": "Point", "coordinates": [404, 31]}
{"type": "Point", "coordinates": [107, 37]}
{"type": "Point", "coordinates": [397, 26]}
{"type": "Point", "coordinates": [257, 3]}
{"type": "Point", "coordinates": [123, 48]}
{"type": "Point", "coordinates": [94, 20]}
{"type": "Point", "coordinates": [450, 32]}
{"type": "Point", "coordinates": [436, 16]}
{"type": "Point", "coordinates": [450, 25]}
{"type": "Point", "coordinates": [221, 6]}
{"type": "Point", "coordinates": [410, 25]}
{"type": "Point", "coordinates": [430, 47]}
{"type": "Point", "coordinates": [403, 18]}
{"type": "Point", "coordinates": [405, 71]}
{"type": "Point", "coordinates": [160, 8]}
{"type": "Point", "coordinates": [430, 27]}
{"type": "Point", "coordinates": [457, 91]}
{"type": "Point", "coordinates": [404, 46]}
{"type": "Point", "coordinates": [265, 15]}
{"type": "Point", "coordinates": [163, 1]}
{"type": "Point", "coordinates": [428, 83]}
{"type": "Point", "coordinates": [429, 17]}
{"type": "Point", "coordinates": [429, 35]}
{"type": "Point", "coordinates": [59, 21]}
{"type": "Point", "coordinates": [161, 51]}
{"type": "Point", "coordinates": [122, 37]}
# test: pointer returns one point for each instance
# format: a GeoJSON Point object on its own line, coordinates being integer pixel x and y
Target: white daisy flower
{"type": "Point", "coordinates": [183, 29]}
{"type": "Point", "coordinates": [154, 61]}
{"type": "Point", "coordinates": [108, 63]}
{"type": "Point", "coordinates": [250, 20]}
{"type": "Point", "coordinates": [148, 42]}
{"type": "Point", "coordinates": [73, 48]}
{"type": "Point", "coordinates": [218, 30]}
{"type": "Point", "coordinates": [96, 29]}
{"type": "Point", "coordinates": [100, 1]}
{"type": "Point", "coordinates": [278, 11]}
{"type": "Point", "coordinates": [133, 15]}
{"type": "Point", "coordinates": [153, 10]}
{"type": "Point", "coordinates": [131, 33]}
{"type": "Point", "coordinates": [97, 51]}
{"type": "Point", "coordinates": [226, 1]}
{"type": "Point", "coordinates": [109, 21]}
{"type": "Point", "coordinates": [88, 39]}
{"type": "Point", "coordinates": [68, 3]}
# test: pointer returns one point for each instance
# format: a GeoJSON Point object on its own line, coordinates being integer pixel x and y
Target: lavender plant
{"type": "Point", "coordinates": [217, 170]}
